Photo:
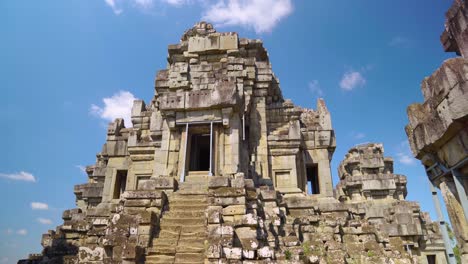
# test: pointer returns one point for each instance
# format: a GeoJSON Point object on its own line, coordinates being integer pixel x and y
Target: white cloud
{"type": "Point", "coordinates": [113, 5]}
{"type": "Point", "coordinates": [39, 206]}
{"type": "Point", "coordinates": [261, 15]}
{"type": "Point", "coordinates": [314, 87]}
{"type": "Point", "coordinates": [20, 176]}
{"type": "Point", "coordinates": [351, 80]}
{"type": "Point", "coordinates": [81, 168]}
{"type": "Point", "coordinates": [22, 232]}
{"type": "Point", "coordinates": [118, 105]}
{"type": "Point", "coordinates": [404, 154]}
{"type": "Point", "coordinates": [44, 221]}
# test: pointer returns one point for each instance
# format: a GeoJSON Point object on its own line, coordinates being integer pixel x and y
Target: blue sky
{"type": "Point", "coordinates": [59, 59]}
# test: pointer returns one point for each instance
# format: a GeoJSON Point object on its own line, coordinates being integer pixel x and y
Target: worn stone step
{"type": "Point", "coordinates": [197, 174]}
{"type": "Point", "coordinates": [186, 248]}
{"type": "Point", "coordinates": [184, 197]}
{"type": "Point", "coordinates": [183, 229]}
{"type": "Point", "coordinates": [188, 202]}
{"type": "Point", "coordinates": [164, 249]}
{"type": "Point", "coordinates": [165, 242]}
{"type": "Point", "coordinates": [202, 234]}
{"type": "Point", "coordinates": [159, 259]}
{"type": "Point", "coordinates": [189, 258]}
{"type": "Point", "coordinates": [177, 195]}
{"type": "Point", "coordinates": [199, 190]}
{"type": "Point", "coordinates": [183, 221]}
{"type": "Point", "coordinates": [193, 185]}
{"type": "Point", "coordinates": [193, 229]}
{"type": "Point", "coordinates": [185, 207]}
{"type": "Point", "coordinates": [169, 234]}
{"type": "Point", "coordinates": [192, 239]}
{"type": "Point", "coordinates": [184, 214]}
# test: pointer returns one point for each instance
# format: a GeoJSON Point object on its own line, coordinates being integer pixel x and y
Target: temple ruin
{"type": "Point", "coordinates": [219, 168]}
{"type": "Point", "coordinates": [438, 129]}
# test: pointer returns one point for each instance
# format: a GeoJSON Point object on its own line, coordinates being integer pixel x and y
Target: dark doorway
{"type": "Point", "coordinates": [200, 152]}
{"type": "Point", "coordinates": [120, 183]}
{"type": "Point", "coordinates": [312, 179]}
{"type": "Point", "coordinates": [431, 259]}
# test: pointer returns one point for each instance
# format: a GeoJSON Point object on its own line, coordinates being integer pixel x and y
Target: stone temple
{"type": "Point", "coordinates": [219, 168]}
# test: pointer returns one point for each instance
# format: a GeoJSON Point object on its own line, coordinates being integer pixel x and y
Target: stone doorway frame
{"type": "Point", "coordinates": [186, 139]}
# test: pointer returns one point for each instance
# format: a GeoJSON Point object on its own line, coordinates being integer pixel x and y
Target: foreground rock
{"type": "Point", "coordinates": [438, 128]}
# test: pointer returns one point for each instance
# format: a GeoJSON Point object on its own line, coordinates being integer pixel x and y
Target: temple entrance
{"type": "Point", "coordinates": [312, 179]}
{"type": "Point", "coordinates": [199, 152]}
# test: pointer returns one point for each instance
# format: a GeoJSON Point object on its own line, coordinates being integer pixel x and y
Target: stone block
{"type": "Point", "coordinates": [87, 254]}
{"type": "Point", "coordinates": [268, 195]}
{"type": "Point", "coordinates": [227, 192]}
{"type": "Point", "coordinates": [196, 44]}
{"type": "Point", "coordinates": [238, 183]}
{"type": "Point", "coordinates": [228, 200]}
{"type": "Point", "coordinates": [157, 183]}
{"type": "Point", "coordinates": [218, 181]}
{"type": "Point", "coordinates": [265, 252]}
{"type": "Point", "coordinates": [228, 42]}
{"type": "Point", "coordinates": [214, 214]}
{"type": "Point", "coordinates": [143, 195]}
{"type": "Point", "coordinates": [232, 253]}
{"type": "Point", "coordinates": [247, 237]}
{"type": "Point", "coordinates": [138, 203]}
{"type": "Point", "coordinates": [214, 251]}
{"type": "Point", "coordinates": [234, 210]}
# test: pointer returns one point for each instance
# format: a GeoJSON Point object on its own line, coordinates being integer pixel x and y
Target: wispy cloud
{"type": "Point", "coordinates": [81, 168]}
{"type": "Point", "coordinates": [22, 232]}
{"type": "Point", "coordinates": [113, 5]}
{"type": "Point", "coordinates": [357, 135]}
{"type": "Point", "coordinates": [175, 2]}
{"type": "Point", "coordinates": [399, 41]}
{"type": "Point", "coordinates": [314, 88]}
{"type": "Point", "coordinates": [351, 80]}
{"type": "Point", "coordinates": [39, 206]}
{"type": "Point", "coordinates": [20, 176]}
{"type": "Point", "coordinates": [261, 15]}
{"type": "Point", "coordinates": [118, 105]}
{"type": "Point", "coordinates": [118, 5]}
{"type": "Point", "coordinates": [404, 155]}
{"type": "Point", "coordinates": [44, 221]}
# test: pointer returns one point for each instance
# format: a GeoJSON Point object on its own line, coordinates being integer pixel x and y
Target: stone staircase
{"type": "Point", "coordinates": [184, 226]}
